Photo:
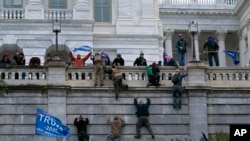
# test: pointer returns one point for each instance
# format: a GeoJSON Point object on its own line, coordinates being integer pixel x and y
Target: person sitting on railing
{"type": "Point", "coordinates": [78, 61]}
{"type": "Point", "coordinates": [169, 61]}
{"type": "Point", "coordinates": [153, 71]}
{"type": "Point", "coordinates": [19, 58]}
{"type": "Point", "coordinates": [5, 61]}
{"type": "Point", "coordinates": [119, 61]}
{"type": "Point", "coordinates": [35, 61]}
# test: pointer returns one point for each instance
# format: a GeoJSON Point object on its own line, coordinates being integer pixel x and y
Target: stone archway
{"type": "Point", "coordinates": [63, 52]}
{"type": "Point", "coordinates": [10, 50]}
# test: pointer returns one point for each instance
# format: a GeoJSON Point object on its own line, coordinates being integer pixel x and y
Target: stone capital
{"type": "Point", "coordinates": [221, 35]}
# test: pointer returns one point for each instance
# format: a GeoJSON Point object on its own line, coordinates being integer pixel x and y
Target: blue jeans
{"type": "Point", "coordinates": [210, 57]}
{"type": "Point", "coordinates": [181, 56]}
{"type": "Point", "coordinates": [177, 95]}
{"type": "Point", "coordinates": [110, 137]}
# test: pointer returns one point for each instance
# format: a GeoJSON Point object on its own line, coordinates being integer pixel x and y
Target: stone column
{"type": "Point", "coordinates": [81, 10]}
{"type": "Point", "coordinates": [241, 50]}
{"type": "Point", "coordinates": [196, 87]}
{"type": "Point", "coordinates": [124, 9]}
{"type": "Point", "coordinates": [34, 9]}
{"type": "Point", "coordinates": [196, 44]}
{"type": "Point", "coordinates": [148, 9]}
{"type": "Point", "coordinates": [221, 35]}
{"type": "Point", "coordinates": [168, 42]}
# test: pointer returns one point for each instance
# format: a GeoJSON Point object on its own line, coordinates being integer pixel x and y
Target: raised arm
{"type": "Point", "coordinates": [86, 57]}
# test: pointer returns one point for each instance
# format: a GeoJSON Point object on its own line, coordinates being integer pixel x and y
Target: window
{"type": "Point", "coordinates": [102, 10]}
{"type": "Point", "coordinates": [58, 4]}
{"type": "Point", "coordinates": [13, 3]}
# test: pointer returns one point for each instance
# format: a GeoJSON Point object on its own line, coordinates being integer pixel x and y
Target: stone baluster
{"type": "Point", "coordinates": [221, 35]}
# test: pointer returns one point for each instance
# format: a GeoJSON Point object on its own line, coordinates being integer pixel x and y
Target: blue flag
{"type": "Point", "coordinates": [105, 56]}
{"type": "Point", "coordinates": [48, 125]}
{"type": "Point", "coordinates": [234, 56]}
{"type": "Point", "coordinates": [82, 48]}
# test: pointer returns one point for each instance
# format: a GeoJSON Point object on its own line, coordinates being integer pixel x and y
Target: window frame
{"type": "Point", "coordinates": [12, 5]}
{"type": "Point", "coordinates": [56, 7]}
{"type": "Point", "coordinates": [102, 15]}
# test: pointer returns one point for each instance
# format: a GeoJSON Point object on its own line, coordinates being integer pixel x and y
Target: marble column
{"type": "Point", "coordinates": [81, 10]}
{"type": "Point", "coordinates": [196, 44]}
{"type": "Point", "coordinates": [221, 35]}
{"type": "Point", "coordinates": [241, 50]}
{"type": "Point", "coordinates": [124, 9]}
{"type": "Point", "coordinates": [168, 42]}
{"type": "Point", "coordinates": [34, 9]}
{"type": "Point", "coordinates": [148, 9]}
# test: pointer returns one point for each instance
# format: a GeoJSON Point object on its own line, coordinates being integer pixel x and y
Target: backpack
{"type": "Point", "coordinates": [211, 42]}
{"type": "Point", "coordinates": [149, 71]}
{"type": "Point", "coordinates": [175, 78]}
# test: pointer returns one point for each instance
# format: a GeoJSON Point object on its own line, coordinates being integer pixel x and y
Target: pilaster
{"type": "Point", "coordinates": [34, 9]}
{"type": "Point", "coordinates": [196, 44]}
{"type": "Point", "coordinates": [81, 10]}
{"type": "Point", "coordinates": [221, 35]}
{"type": "Point", "coordinates": [196, 87]}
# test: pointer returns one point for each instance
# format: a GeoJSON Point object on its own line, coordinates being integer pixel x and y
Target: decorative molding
{"type": "Point", "coordinates": [19, 27]}
{"type": "Point", "coordinates": [144, 42]}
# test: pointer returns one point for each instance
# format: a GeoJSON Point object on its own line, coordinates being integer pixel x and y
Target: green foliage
{"type": "Point", "coordinates": [219, 136]}
{"type": "Point", "coordinates": [3, 88]}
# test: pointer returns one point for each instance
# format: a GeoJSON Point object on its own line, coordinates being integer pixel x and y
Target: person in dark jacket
{"type": "Point", "coordinates": [142, 114]}
{"type": "Point", "coordinates": [211, 47]}
{"type": "Point", "coordinates": [177, 88]}
{"type": "Point", "coordinates": [35, 61]}
{"type": "Point", "coordinates": [81, 124]}
{"type": "Point", "coordinates": [5, 61]}
{"type": "Point", "coordinates": [119, 61]}
{"type": "Point", "coordinates": [140, 61]}
{"type": "Point", "coordinates": [19, 58]}
{"type": "Point", "coordinates": [155, 78]}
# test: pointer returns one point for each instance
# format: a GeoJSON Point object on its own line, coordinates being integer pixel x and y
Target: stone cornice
{"type": "Point", "coordinates": [200, 12]}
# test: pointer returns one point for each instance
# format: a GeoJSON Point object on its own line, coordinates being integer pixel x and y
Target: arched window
{"type": "Point", "coordinates": [102, 10]}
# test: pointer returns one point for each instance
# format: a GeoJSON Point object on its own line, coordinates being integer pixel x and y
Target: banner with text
{"type": "Point", "coordinates": [48, 125]}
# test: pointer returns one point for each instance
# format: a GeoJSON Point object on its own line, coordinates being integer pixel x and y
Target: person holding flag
{"type": "Point", "coordinates": [211, 47]}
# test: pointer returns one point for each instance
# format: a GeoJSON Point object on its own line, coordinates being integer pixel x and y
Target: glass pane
{"type": "Point", "coordinates": [106, 2]}
{"type": "Point", "coordinates": [61, 4]}
{"type": "Point", "coordinates": [97, 2]}
{"type": "Point", "coordinates": [98, 15]}
{"type": "Point", "coordinates": [13, 3]}
{"type": "Point", "coordinates": [106, 14]}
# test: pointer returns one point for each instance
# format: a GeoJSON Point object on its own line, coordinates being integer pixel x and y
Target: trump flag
{"type": "Point", "coordinates": [48, 125]}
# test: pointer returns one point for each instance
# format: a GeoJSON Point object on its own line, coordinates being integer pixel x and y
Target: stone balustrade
{"type": "Point", "coordinates": [58, 14]}
{"type": "Point", "coordinates": [12, 13]}
{"type": "Point", "coordinates": [134, 76]}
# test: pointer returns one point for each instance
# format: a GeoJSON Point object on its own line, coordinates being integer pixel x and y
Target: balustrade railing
{"type": "Point", "coordinates": [58, 14]}
{"type": "Point", "coordinates": [10, 13]}
{"type": "Point", "coordinates": [227, 77]}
